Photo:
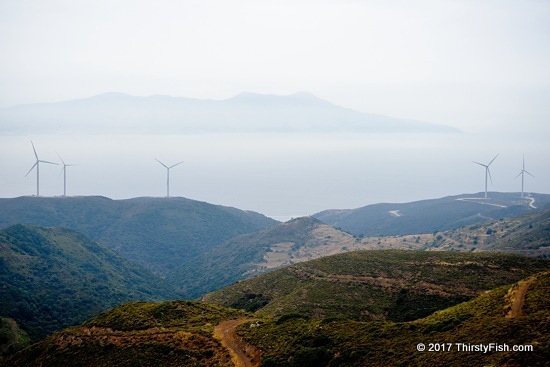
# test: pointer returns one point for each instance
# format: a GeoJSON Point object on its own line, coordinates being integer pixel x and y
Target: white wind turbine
{"type": "Point", "coordinates": [487, 172]}
{"type": "Point", "coordinates": [64, 170]}
{"type": "Point", "coordinates": [37, 165]}
{"type": "Point", "coordinates": [523, 171]}
{"type": "Point", "coordinates": [168, 175]}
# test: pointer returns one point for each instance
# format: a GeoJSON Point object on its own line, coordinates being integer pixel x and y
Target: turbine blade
{"type": "Point", "coordinates": [34, 165]}
{"type": "Point", "coordinates": [489, 172]}
{"type": "Point", "coordinates": [57, 164]}
{"type": "Point", "coordinates": [519, 174]}
{"type": "Point", "coordinates": [174, 165]}
{"type": "Point", "coordinates": [162, 163]}
{"type": "Point", "coordinates": [36, 155]}
{"type": "Point", "coordinates": [62, 161]}
{"type": "Point", "coordinates": [481, 164]}
{"type": "Point", "coordinates": [528, 173]}
{"type": "Point", "coordinates": [493, 159]}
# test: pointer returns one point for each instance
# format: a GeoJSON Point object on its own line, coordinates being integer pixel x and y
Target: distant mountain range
{"type": "Point", "coordinates": [247, 112]}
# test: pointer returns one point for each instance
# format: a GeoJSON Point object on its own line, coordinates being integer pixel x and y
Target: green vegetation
{"type": "Point", "coordinates": [12, 338]}
{"type": "Point", "coordinates": [299, 342]}
{"type": "Point", "coordinates": [181, 333]}
{"type": "Point", "coordinates": [51, 278]}
{"type": "Point", "coordinates": [158, 233]}
{"type": "Point", "coordinates": [377, 285]}
{"type": "Point", "coordinates": [175, 333]}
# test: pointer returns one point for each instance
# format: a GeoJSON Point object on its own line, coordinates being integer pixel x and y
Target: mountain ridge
{"type": "Point", "coordinates": [157, 233]}
{"type": "Point", "coordinates": [115, 112]}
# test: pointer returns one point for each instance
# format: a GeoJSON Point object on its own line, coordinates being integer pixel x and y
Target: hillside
{"type": "Point", "coordinates": [391, 285]}
{"type": "Point", "coordinates": [247, 112]}
{"type": "Point", "coordinates": [450, 336]}
{"type": "Point", "coordinates": [176, 333]}
{"type": "Point", "coordinates": [428, 216]}
{"type": "Point", "coordinates": [183, 333]}
{"type": "Point", "coordinates": [158, 233]}
{"type": "Point", "coordinates": [307, 238]}
{"type": "Point", "coordinates": [51, 278]}
{"type": "Point", "coordinates": [527, 234]}
{"type": "Point", "coordinates": [243, 256]}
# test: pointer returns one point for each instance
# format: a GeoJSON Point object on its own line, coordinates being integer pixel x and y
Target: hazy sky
{"type": "Point", "coordinates": [477, 65]}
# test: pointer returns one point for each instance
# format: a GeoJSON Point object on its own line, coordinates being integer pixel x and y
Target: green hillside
{"type": "Point", "coordinates": [51, 278]}
{"type": "Point", "coordinates": [482, 322]}
{"type": "Point", "coordinates": [428, 216]}
{"type": "Point", "coordinates": [376, 285]}
{"type": "Point", "coordinates": [175, 333]}
{"type": "Point", "coordinates": [158, 233]}
{"type": "Point", "coordinates": [184, 333]}
{"type": "Point", "coordinates": [246, 255]}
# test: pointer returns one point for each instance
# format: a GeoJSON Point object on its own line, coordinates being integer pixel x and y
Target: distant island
{"type": "Point", "coordinates": [246, 112]}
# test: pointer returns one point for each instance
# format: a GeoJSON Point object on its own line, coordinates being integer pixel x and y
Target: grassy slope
{"type": "Point", "coordinates": [51, 278]}
{"type": "Point", "coordinates": [175, 333]}
{"type": "Point", "coordinates": [180, 333]}
{"type": "Point", "coordinates": [299, 342]}
{"type": "Point", "coordinates": [385, 285]}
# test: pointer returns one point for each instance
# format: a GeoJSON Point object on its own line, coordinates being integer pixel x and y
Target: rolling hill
{"type": "Point", "coordinates": [394, 285]}
{"type": "Point", "coordinates": [428, 216]}
{"type": "Point", "coordinates": [307, 238]}
{"type": "Point", "coordinates": [246, 112]}
{"type": "Point", "coordinates": [243, 256]}
{"type": "Point", "coordinates": [158, 233]}
{"type": "Point", "coordinates": [51, 278]}
{"type": "Point", "coordinates": [452, 337]}
{"type": "Point", "coordinates": [184, 333]}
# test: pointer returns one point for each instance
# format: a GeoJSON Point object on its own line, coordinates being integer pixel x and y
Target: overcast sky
{"type": "Point", "coordinates": [477, 65]}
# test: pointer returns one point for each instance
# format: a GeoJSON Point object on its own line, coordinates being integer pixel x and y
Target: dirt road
{"type": "Point", "coordinates": [242, 354]}
{"type": "Point", "coordinates": [518, 297]}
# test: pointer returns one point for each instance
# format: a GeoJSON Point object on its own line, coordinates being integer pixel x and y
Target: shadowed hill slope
{"type": "Point", "coordinates": [158, 233]}
{"type": "Point", "coordinates": [51, 278]}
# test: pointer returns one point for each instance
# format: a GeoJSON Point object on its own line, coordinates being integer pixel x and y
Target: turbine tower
{"type": "Point", "coordinates": [487, 172]}
{"type": "Point", "coordinates": [523, 171]}
{"type": "Point", "coordinates": [37, 165]}
{"type": "Point", "coordinates": [168, 175]}
{"type": "Point", "coordinates": [64, 170]}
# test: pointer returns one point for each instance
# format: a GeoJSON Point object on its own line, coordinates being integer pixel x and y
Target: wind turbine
{"type": "Point", "coordinates": [168, 176]}
{"type": "Point", "coordinates": [64, 170]}
{"type": "Point", "coordinates": [523, 171]}
{"type": "Point", "coordinates": [37, 165]}
{"type": "Point", "coordinates": [487, 172]}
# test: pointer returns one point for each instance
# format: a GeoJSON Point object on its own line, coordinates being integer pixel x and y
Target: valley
{"type": "Point", "coordinates": [73, 259]}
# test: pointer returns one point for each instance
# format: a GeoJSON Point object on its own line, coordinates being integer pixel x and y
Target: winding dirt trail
{"type": "Point", "coordinates": [242, 354]}
{"type": "Point", "coordinates": [518, 298]}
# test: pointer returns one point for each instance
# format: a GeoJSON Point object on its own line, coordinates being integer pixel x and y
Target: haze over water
{"type": "Point", "coordinates": [280, 175]}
